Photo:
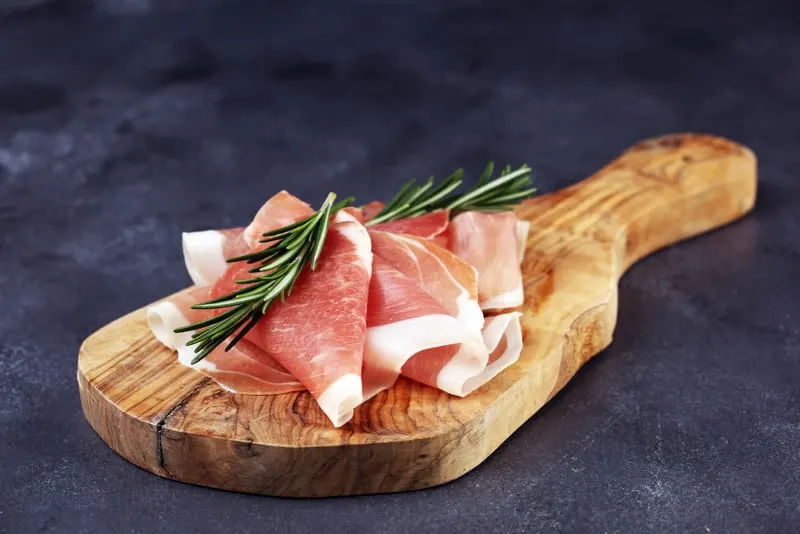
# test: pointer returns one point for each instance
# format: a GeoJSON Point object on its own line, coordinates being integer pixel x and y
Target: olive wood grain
{"type": "Point", "coordinates": [172, 421]}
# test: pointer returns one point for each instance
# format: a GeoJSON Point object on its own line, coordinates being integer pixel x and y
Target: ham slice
{"type": "Point", "coordinates": [402, 320]}
{"type": "Point", "coordinates": [243, 369]}
{"type": "Point", "coordinates": [453, 284]}
{"type": "Point", "coordinates": [357, 213]}
{"type": "Point", "coordinates": [502, 335]}
{"type": "Point", "coordinates": [327, 309]}
{"type": "Point", "coordinates": [487, 349]}
{"type": "Point", "coordinates": [401, 306]}
{"type": "Point", "coordinates": [491, 242]}
{"type": "Point", "coordinates": [426, 226]}
{"type": "Point", "coordinates": [205, 253]}
{"type": "Point", "coordinates": [164, 317]}
{"type": "Point", "coordinates": [372, 209]}
{"type": "Point", "coordinates": [279, 211]}
{"type": "Point", "coordinates": [442, 368]}
{"type": "Point", "coordinates": [318, 334]}
{"type": "Point", "coordinates": [446, 277]}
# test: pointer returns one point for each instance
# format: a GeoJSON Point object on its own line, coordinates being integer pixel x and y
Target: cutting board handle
{"type": "Point", "coordinates": [656, 193]}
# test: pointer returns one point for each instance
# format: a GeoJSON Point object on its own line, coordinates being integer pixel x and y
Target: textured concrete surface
{"type": "Point", "coordinates": [124, 122]}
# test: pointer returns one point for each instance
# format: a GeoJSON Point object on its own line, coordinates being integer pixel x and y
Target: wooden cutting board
{"type": "Point", "coordinates": [176, 423]}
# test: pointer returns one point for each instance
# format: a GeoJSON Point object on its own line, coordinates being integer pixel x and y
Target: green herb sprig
{"type": "Point", "coordinates": [293, 247]}
{"type": "Point", "coordinates": [498, 194]}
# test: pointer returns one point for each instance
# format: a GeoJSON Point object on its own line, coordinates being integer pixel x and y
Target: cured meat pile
{"type": "Point", "coordinates": [406, 297]}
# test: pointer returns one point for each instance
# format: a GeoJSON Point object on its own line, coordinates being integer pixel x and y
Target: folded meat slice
{"type": "Point", "coordinates": [318, 333]}
{"type": "Point", "coordinates": [244, 369]}
{"type": "Point", "coordinates": [444, 367]}
{"type": "Point", "coordinates": [426, 226]}
{"type": "Point", "coordinates": [453, 284]}
{"type": "Point", "coordinates": [357, 213]}
{"type": "Point", "coordinates": [371, 209]}
{"type": "Point", "coordinates": [280, 210]}
{"type": "Point", "coordinates": [447, 278]}
{"type": "Point", "coordinates": [491, 242]}
{"type": "Point", "coordinates": [402, 320]}
{"type": "Point", "coordinates": [205, 253]}
{"type": "Point", "coordinates": [165, 316]}
{"type": "Point", "coordinates": [502, 335]}
{"type": "Point", "coordinates": [488, 348]}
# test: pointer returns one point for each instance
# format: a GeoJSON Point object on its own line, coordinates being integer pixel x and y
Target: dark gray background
{"type": "Point", "coordinates": [122, 124]}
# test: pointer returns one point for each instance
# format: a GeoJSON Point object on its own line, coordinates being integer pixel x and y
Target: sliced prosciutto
{"type": "Point", "coordinates": [243, 369]}
{"type": "Point", "coordinates": [318, 334]}
{"type": "Point", "coordinates": [357, 213]}
{"type": "Point", "coordinates": [426, 226]}
{"type": "Point", "coordinates": [447, 278]}
{"type": "Point", "coordinates": [488, 348]}
{"type": "Point", "coordinates": [372, 209]}
{"type": "Point", "coordinates": [442, 368]}
{"type": "Point", "coordinates": [453, 284]}
{"type": "Point", "coordinates": [279, 211]}
{"type": "Point", "coordinates": [502, 336]}
{"type": "Point", "coordinates": [491, 242]}
{"type": "Point", "coordinates": [402, 320]}
{"type": "Point", "coordinates": [205, 253]}
{"type": "Point", "coordinates": [164, 317]}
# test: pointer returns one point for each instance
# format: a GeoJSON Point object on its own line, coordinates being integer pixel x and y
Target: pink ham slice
{"type": "Point", "coordinates": [453, 284]}
{"type": "Point", "coordinates": [501, 337]}
{"type": "Point", "coordinates": [244, 369]}
{"type": "Point", "coordinates": [447, 278]}
{"type": "Point", "coordinates": [205, 252]}
{"type": "Point", "coordinates": [426, 226]}
{"type": "Point", "coordinates": [164, 317]}
{"type": "Point", "coordinates": [280, 210]}
{"type": "Point", "coordinates": [402, 320]}
{"type": "Point", "coordinates": [336, 390]}
{"type": "Point", "coordinates": [357, 213]}
{"type": "Point", "coordinates": [372, 209]}
{"type": "Point", "coordinates": [435, 225]}
{"type": "Point", "coordinates": [457, 368]}
{"type": "Point", "coordinates": [318, 334]}
{"type": "Point", "coordinates": [492, 243]}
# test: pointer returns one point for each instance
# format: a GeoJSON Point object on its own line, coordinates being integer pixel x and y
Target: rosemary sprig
{"type": "Point", "coordinates": [279, 265]}
{"type": "Point", "coordinates": [414, 200]}
{"type": "Point", "coordinates": [488, 194]}
{"type": "Point", "coordinates": [294, 246]}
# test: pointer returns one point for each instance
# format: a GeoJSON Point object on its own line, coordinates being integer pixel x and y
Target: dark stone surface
{"type": "Point", "coordinates": [122, 123]}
